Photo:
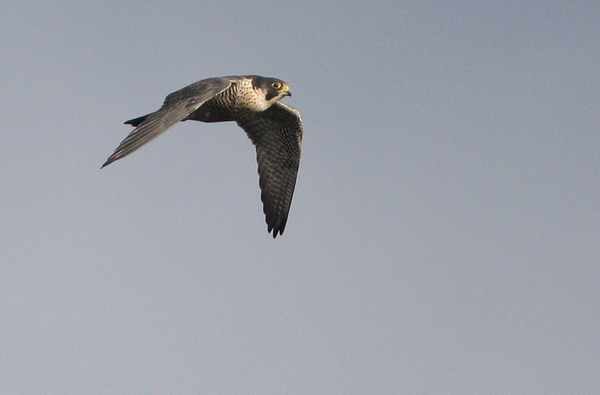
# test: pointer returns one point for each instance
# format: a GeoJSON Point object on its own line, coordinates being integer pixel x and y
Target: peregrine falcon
{"type": "Point", "coordinates": [253, 102]}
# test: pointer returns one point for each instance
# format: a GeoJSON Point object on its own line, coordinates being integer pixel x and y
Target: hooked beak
{"type": "Point", "coordinates": [287, 92]}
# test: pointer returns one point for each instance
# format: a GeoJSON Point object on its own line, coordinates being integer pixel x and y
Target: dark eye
{"type": "Point", "coordinates": [276, 85]}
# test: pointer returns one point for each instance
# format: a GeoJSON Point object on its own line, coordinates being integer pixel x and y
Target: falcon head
{"type": "Point", "coordinates": [273, 88]}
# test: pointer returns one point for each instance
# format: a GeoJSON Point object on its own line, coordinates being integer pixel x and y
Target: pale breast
{"type": "Point", "coordinates": [241, 97]}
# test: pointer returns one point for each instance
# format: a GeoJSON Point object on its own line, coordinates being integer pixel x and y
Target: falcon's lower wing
{"type": "Point", "coordinates": [277, 135]}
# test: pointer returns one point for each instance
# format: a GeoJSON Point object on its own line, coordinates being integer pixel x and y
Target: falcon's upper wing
{"type": "Point", "coordinates": [176, 107]}
{"type": "Point", "coordinates": [277, 135]}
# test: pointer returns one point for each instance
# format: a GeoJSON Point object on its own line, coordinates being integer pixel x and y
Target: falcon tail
{"type": "Point", "coordinates": [136, 121]}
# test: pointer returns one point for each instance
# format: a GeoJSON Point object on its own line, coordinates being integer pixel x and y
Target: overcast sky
{"type": "Point", "coordinates": [444, 237]}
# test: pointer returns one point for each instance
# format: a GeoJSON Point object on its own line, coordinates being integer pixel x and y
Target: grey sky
{"type": "Point", "coordinates": [444, 234]}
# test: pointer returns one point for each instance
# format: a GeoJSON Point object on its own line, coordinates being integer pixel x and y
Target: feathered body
{"type": "Point", "coordinates": [254, 103]}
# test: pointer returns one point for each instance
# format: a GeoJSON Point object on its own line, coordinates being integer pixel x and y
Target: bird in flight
{"type": "Point", "coordinates": [253, 102]}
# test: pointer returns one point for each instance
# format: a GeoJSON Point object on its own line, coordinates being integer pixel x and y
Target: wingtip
{"type": "Point", "coordinates": [276, 230]}
{"type": "Point", "coordinates": [108, 162]}
{"type": "Point", "coordinates": [276, 226]}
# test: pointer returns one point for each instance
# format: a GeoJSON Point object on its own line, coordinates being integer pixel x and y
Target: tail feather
{"type": "Point", "coordinates": [136, 121]}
